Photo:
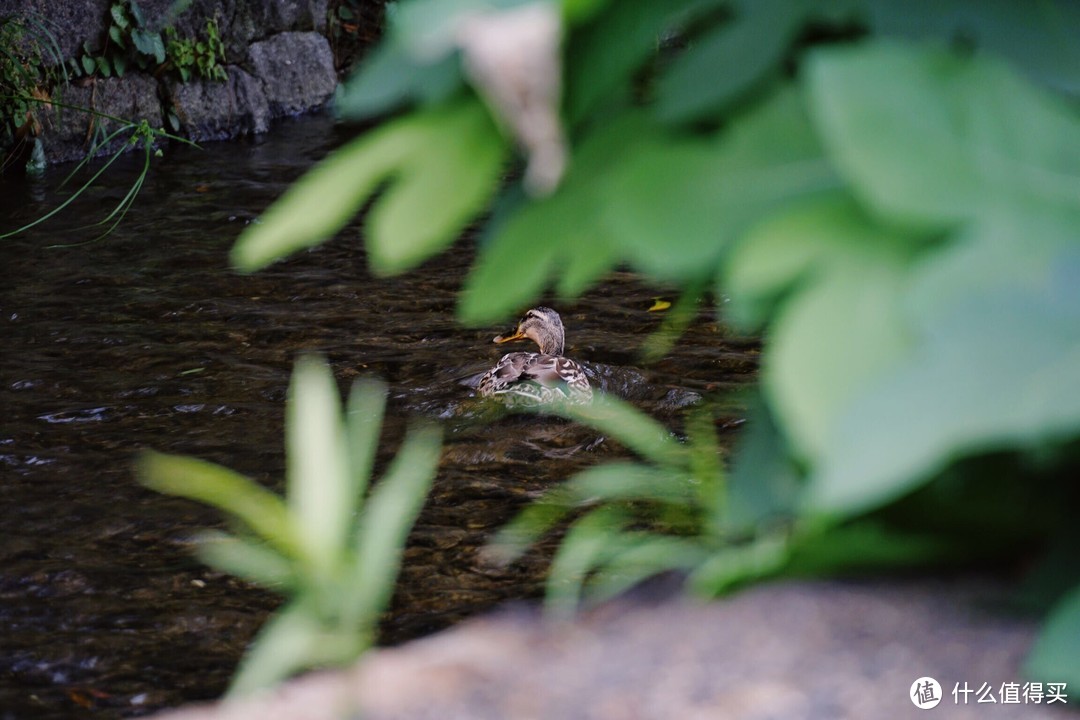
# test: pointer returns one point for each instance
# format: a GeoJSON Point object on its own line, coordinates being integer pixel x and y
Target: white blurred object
{"type": "Point", "coordinates": [512, 58]}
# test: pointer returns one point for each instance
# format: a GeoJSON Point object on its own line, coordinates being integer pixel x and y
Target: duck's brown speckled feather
{"type": "Point", "coordinates": [536, 378]}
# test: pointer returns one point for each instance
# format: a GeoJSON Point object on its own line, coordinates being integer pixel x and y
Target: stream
{"type": "Point", "coordinates": [146, 339]}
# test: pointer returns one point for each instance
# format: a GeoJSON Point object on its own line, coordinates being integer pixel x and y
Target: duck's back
{"type": "Point", "coordinates": [536, 377]}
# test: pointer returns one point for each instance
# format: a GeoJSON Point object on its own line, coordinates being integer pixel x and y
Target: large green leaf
{"type": "Point", "coordinates": [842, 326]}
{"type": "Point", "coordinates": [947, 138]}
{"type": "Point", "coordinates": [735, 56]}
{"type": "Point", "coordinates": [441, 166]}
{"type": "Point", "coordinates": [317, 471]}
{"type": "Point", "coordinates": [1056, 654]}
{"type": "Point", "coordinates": [602, 57]}
{"type": "Point", "coordinates": [763, 483]}
{"type": "Point", "coordinates": [389, 78]}
{"type": "Point", "coordinates": [1038, 37]}
{"type": "Point", "coordinates": [995, 367]}
{"type": "Point", "coordinates": [676, 204]}
{"type": "Point", "coordinates": [562, 233]}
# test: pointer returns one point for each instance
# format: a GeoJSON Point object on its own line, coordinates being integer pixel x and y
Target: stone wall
{"type": "Point", "coordinates": [277, 60]}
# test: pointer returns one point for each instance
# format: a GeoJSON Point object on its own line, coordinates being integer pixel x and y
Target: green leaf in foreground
{"type": "Point", "coordinates": [387, 517]}
{"type": "Point", "coordinates": [440, 167]}
{"type": "Point", "coordinates": [335, 556]}
{"type": "Point", "coordinates": [258, 508]}
{"type": "Point", "coordinates": [948, 138]}
{"type": "Point", "coordinates": [1056, 654]}
{"type": "Point", "coordinates": [736, 55]}
{"type": "Point", "coordinates": [319, 486]}
{"type": "Point", "coordinates": [841, 323]}
{"type": "Point", "coordinates": [994, 368]}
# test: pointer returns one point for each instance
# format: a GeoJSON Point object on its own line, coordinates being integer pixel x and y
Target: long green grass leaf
{"type": "Point", "coordinates": [642, 556]}
{"type": "Point", "coordinates": [633, 428]}
{"type": "Point", "coordinates": [317, 476]}
{"type": "Point", "coordinates": [232, 493]}
{"type": "Point", "coordinates": [385, 523]}
{"type": "Point", "coordinates": [248, 559]}
{"type": "Point", "coordinates": [292, 640]}
{"type": "Point", "coordinates": [364, 417]}
{"type": "Point", "coordinates": [587, 543]}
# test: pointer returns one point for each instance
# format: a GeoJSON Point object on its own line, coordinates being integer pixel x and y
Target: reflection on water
{"type": "Point", "coordinates": [146, 339]}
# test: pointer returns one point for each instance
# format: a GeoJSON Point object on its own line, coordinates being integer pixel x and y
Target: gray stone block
{"type": "Point", "coordinates": [296, 69]}
{"type": "Point", "coordinates": [210, 110]}
{"type": "Point", "coordinates": [69, 134]}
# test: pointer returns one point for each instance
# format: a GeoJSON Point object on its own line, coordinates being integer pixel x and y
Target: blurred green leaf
{"type": "Point", "coordinates": [136, 13]}
{"type": "Point", "coordinates": [119, 16]}
{"type": "Point", "coordinates": [255, 506]}
{"type": "Point", "coordinates": [319, 486]}
{"type": "Point", "coordinates": [1038, 37]}
{"type": "Point", "coordinates": [1056, 654]}
{"type": "Point", "coordinates": [994, 369]}
{"type": "Point", "coordinates": [615, 482]}
{"type": "Point", "coordinates": [577, 11]}
{"type": "Point", "coordinates": [633, 428]}
{"type": "Point", "coordinates": [385, 522]}
{"type": "Point", "coordinates": [445, 180]}
{"type": "Point", "coordinates": [587, 542]}
{"type": "Point", "coordinates": [735, 56]}
{"type": "Point", "coordinates": [676, 320]}
{"type": "Point", "coordinates": [844, 324]}
{"type": "Point", "coordinates": [731, 565]}
{"type": "Point", "coordinates": [559, 235]}
{"type": "Point", "coordinates": [602, 57]}
{"type": "Point", "coordinates": [289, 642]}
{"type": "Point", "coordinates": [363, 421]}
{"type": "Point", "coordinates": [149, 43]}
{"type": "Point", "coordinates": [947, 138]}
{"type": "Point", "coordinates": [763, 484]}
{"type": "Point", "coordinates": [676, 204]}
{"type": "Point", "coordinates": [639, 556]}
{"type": "Point", "coordinates": [247, 559]}
{"type": "Point", "coordinates": [867, 546]}
{"type": "Point", "coordinates": [427, 29]}
{"type": "Point", "coordinates": [389, 79]}
{"type": "Point", "coordinates": [441, 165]}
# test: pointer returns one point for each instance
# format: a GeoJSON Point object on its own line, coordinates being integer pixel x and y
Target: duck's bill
{"type": "Point", "coordinates": [507, 338]}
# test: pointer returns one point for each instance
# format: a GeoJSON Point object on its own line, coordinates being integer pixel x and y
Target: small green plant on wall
{"type": "Point", "coordinates": [129, 41]}
{"type": "Point", "coordinates": [193, 56]}
{"type": "Point", "coordinates": [29, 66]}
{"type": "Point", "coordinates": [332, 552]}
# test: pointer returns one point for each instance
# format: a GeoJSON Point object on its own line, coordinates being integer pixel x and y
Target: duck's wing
{"type": "Point", "coordinates": [536, 376]}
{"type": "Point", "coordinates": [558, 373]}
{"type": "Point", "coordinates": [506, 372]}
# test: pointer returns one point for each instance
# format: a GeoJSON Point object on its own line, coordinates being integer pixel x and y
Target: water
{"type": "Point", "coordinates": [147, 339]}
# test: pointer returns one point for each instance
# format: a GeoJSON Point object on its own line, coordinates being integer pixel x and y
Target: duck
{"type": "Point", "coordinates": [543, 378]}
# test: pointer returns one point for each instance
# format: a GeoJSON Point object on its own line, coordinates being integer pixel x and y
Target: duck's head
{"type": "Point", "coordinates": [543, 326]}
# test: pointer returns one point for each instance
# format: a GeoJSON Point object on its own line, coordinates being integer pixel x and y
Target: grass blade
{"type": "Point", "coordinates": [387, 518]}
{"type": "Point", "coordinates": [363, 422]}
{"type": "Point", "coordinates": [316, 471]}
{"type": "Point", "coordinates": [232, 493]}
